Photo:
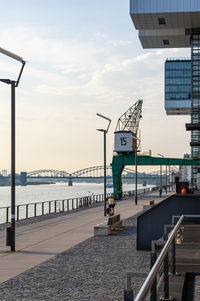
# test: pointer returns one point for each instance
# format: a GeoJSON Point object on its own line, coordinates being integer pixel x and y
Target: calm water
{"type": "Point", "coordinates": [38, 193]}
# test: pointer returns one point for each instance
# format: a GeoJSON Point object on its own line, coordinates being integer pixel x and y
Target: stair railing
{"type": "Point", "coordinates": [149, 284]}
{"type": "Point", "coordinates": [146, 287]}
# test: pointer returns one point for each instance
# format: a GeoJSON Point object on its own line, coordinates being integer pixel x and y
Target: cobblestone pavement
{"type": "Point", "coordinates": [94, 270]}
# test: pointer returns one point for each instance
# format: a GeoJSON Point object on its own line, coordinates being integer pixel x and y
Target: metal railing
{"type": "Point", "coordinates": [150, 284]}
{"type": "Point", "coordinates": [25, 211]}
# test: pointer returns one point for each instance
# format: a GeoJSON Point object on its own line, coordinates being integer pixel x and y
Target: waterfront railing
{"type": "Point", "coordinates": [25, 211]}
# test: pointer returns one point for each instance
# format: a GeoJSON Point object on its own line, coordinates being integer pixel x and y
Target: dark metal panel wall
{"type": "Point", "coordinates": [150, 224]}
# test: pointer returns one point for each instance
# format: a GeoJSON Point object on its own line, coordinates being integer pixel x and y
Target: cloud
{"type": "Point", "coordinates": [118, 43]}
{"type": "Point", "coordinates": [66, 82]}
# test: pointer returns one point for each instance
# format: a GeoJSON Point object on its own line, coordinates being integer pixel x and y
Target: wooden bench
{"type": "Point", "coordinates": [111, 226]}
{"type": "Point", "coordinates": [149, 206]}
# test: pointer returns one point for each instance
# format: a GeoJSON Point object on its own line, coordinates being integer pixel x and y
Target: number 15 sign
{"type": "Point", "coordinates": [123, 141]}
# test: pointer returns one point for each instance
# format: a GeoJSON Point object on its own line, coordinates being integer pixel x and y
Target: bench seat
{"type": "Point", "coordinates": [111, 226]}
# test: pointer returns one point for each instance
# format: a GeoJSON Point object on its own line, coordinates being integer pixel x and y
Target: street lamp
{"type": "Point", "coordinates": [161, 176]}
{"type": "Point", "coordinates": [14, 84]}
{"type": "Point", "coordinates": [136, 150]}
{"type": "Point", "coordinates": [105, 131]}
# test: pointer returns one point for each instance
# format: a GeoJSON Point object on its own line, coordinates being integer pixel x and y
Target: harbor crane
{"type": "Point", "coordinates": [126, 131]}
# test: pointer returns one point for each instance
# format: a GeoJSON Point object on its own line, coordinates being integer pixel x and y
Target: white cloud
{"type": "Point", "coordinates": [66, 82]}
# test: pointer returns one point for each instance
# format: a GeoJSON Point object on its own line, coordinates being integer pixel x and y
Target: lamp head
{"type": "Point", "coordinates": [12, 55]}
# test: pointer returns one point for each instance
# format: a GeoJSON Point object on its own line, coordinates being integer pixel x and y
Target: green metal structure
{"type": "Point", "coordinates": [119, 161]}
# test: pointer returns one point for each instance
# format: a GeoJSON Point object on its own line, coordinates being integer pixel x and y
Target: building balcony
{"type": "Point", "coordinates": [192, 126]}
{"type": "Point", "coordinates": [195, 143]}
{"type": "Point", "coordinates": [165, 24]}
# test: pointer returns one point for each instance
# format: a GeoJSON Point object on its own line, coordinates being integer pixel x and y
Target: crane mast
{"type": "Point", "coordinates": [129, 121]}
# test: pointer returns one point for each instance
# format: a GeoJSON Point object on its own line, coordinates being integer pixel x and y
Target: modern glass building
{"type": "Point", "coordinates": [178, 86]}
{"type": "Point", "coordinates": [173, 24]}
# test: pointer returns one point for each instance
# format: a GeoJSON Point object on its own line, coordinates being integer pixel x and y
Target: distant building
{"type": "Point", "coordinates": [178, 86]}
{"type": "Point", "coordinates": [185, 171]}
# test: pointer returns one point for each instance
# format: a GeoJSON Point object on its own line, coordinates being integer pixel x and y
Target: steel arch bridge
{"type": "Point", "coordinates": [89, 172]}
{"type": "Point", "coordinates": [48, 173]}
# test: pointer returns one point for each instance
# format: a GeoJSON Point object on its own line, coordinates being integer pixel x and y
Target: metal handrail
{"type": "Point", "coordinates": [153, 273]}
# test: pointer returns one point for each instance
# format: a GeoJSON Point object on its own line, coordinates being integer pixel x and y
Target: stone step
{"type": "Point", "coordinates": [188, 253]}
{"type": "Point", "coordinates": [188, 246]}
{"type": "Point", "coordinates": [183, 268]}
{"type": "Point", "coordinates": [188, 260]}
{"type": "Point", "coordinates": [191, 226]}
{"type": "Point", "coordinates": [194, 239]}
{"type": "Point", "coordinates": [192, 232]}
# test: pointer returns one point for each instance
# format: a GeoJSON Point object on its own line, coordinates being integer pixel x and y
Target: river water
{"type": "Point", "coordinates": [37, 193]}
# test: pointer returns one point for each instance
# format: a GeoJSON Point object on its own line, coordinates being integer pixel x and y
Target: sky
{"type": "Point", "coordinates": [83, 57]}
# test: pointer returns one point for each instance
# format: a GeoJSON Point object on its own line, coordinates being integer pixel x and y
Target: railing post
{"type": "Point", "coordinates": [166, 277]}
{"type": "Point", "coordinates": [49, 207]}
{"type": "Point", "coordinates": [55, 206]}
{"type": "Point", "coordinates": [67, 205]}
{"type": "Point", "coordinates": [42, 208]}
{"type": "Point", "coordinates": [76, 203]}
{"type": "Point", "coordinates": [173, 257]}
{"type": "Point", "coordinates": [17, 213]}
{"type": "Point", "coordinates": [26, 210]}
{"type": "Point", "coordinates": [35, 209]}
{"type": "Point", "coordinates": [63, 205]}
{"type": "Point", "coordinates": [7, 214]}
{"type": "Point", "coordinates": [128, 293]}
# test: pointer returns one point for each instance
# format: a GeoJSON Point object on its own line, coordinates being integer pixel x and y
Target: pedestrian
{"type": "Point", "coordinates": [160, 191]}
{"type": "Point", "coordinates": [111, 204]}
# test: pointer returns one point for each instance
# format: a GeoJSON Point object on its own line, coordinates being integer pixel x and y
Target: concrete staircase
{"type": "Point", "coordinates": [188, 252]}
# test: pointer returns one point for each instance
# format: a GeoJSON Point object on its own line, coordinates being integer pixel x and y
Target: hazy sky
{"type": "Point", "coordinates": [83, 57]}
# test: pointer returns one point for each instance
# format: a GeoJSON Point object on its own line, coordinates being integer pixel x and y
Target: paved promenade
{"type": "Point", "coordinates": [60, 257]}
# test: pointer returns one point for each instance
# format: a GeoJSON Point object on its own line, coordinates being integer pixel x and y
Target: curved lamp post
{"type": "Point", "coordinates": [14, 84]}
{"type": "Point", "coordinates": [105, 131]}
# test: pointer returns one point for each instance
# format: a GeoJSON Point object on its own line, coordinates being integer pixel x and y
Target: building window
{"type": "Point", "coordinates": [161, 21]}
{"type": "Point", "coordinates": [178, 86]}
{"type": "Point", "coordinates": [166, 42]}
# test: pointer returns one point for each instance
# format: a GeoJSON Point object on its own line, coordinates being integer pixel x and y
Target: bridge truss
{"type": "Point", "coordinates": [89, 172]}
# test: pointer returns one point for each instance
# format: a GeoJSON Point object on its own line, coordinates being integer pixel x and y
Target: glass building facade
{"type": "Point", "coordinates": [178, 87]}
